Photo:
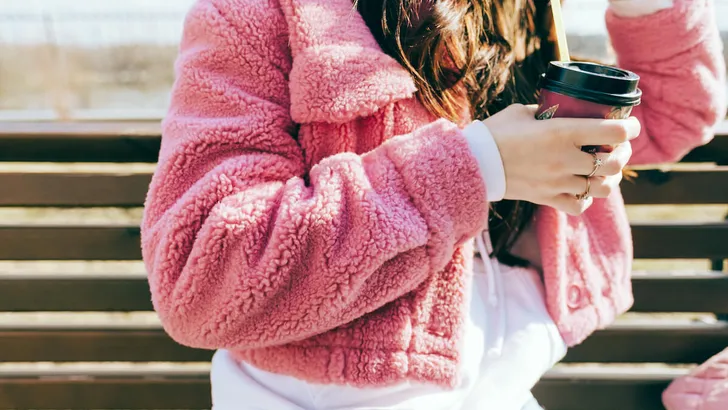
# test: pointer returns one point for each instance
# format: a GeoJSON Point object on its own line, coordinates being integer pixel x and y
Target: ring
{"type": "Point", "coordinates": [585, 195]}
{"type": "Point", "coordinates": [597, 164]}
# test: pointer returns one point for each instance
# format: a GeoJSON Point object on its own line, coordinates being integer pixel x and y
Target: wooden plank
{"type": "Point", "coordinates": [654, 292]}
{"type": "Point", "coordinates": [623, 388]}
{"type": "Point", "coordinates": [652, 342]}
{"type": "Point", "coordinates": [70, 393]}
{"type": "Point", "coordinates": [86, 129]}
{"type": "Point", "coordinates": [680, 240]}
{"type": "Point", "coordinates": [74, 293]}
{"type": "Point", "coordinates": [121, 242]}
{"type": "Point", "coordinates": [73, 189]}
{"type": "Point", "coordinates": [80, 141]}
{"type": "Point", "coordinates": [564, 388]}
{"type": "Point", "coordinates": [88, 242]}
{"type": "Point", "coordinates": [125, 141]}
{"type": "Point", "coordinates": [677, 187]}
{"type": "Point", "coordinates": [100, 371]}
{"type": "Point", "coordinates": [130, 343]}
{"type": "Point", "coordinates": [127, 190]}
{"type": "Point", "coordinates": [680, 292]}
{"type": "Point", "coordinates": [141, 387]}
{"type": "Point", "coordinates": [716, 151]}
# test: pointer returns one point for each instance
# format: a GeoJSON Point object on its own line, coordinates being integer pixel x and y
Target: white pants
{"type": "Point", "coordinates": [509, 343]}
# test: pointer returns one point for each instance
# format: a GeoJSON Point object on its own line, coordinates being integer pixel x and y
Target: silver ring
{"type": "Point", "coordinates": [597, 164]}
{"type": "Point", "coordinates": [585, 195]}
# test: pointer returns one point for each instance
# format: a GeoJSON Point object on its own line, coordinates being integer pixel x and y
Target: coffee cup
{"type": "Point", "coordinates": [587, 90]}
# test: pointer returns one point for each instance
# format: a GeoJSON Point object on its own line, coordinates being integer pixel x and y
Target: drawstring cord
{"type": "Point", "coordinates": [485, 249]}
{"type": "Point", "coordinates": [496, 292]}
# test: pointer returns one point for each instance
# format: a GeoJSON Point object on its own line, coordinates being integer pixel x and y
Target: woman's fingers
{"type": "Point", "coordinates": [606, 163]}
{"type": "Point", "coordinates": [599, 186]}
{"type": "Point", "coordinates": [570, 204]}
{"type": "Point", "coordinates": [579, 185]}
{"type": "Point", "coordinates": [586, 131]}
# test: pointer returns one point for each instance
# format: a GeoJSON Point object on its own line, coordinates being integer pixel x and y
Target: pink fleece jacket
{"type": "Point", "coordinates": [311, 216]}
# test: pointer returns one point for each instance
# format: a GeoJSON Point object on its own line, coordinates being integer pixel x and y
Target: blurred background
{"type": "Point", "coordinates": [112, 59]}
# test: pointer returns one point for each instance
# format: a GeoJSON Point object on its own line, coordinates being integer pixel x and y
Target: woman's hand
{"type": "Point", "coordinates": [544, 163]}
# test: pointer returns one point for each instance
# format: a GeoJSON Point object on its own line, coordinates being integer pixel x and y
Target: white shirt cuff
{"type": "Point", "coordinates": [486, 152]}
{"type": "Point", "coordinates": [638, 8]}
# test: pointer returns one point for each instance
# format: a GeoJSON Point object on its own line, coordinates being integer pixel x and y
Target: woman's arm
{"type": "Point", "coordinates": [245, 247]}
{"type": "Point", "coordinates": [678, 54]}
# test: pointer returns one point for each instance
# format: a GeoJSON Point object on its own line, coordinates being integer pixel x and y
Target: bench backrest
{"type": "Point", "coordinates": [132, 364]}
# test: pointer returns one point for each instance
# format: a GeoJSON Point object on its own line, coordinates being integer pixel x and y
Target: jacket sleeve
{"type": "Point", "coordinates": [678, 54]}
{"type": "Point", "coordinates": [245, 247]}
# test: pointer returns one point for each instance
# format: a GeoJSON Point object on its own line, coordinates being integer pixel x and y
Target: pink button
{"type": "Point", "coordinates": [574, 296]}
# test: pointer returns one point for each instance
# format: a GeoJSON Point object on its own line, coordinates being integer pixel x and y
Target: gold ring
{"type": "Point", "coordinates": [597, 164]}
{"type": "Point", "coordinates": [585, 195]}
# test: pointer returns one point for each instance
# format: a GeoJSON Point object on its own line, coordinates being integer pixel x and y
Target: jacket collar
{"type": "Point", "coordinates": [339, 71]}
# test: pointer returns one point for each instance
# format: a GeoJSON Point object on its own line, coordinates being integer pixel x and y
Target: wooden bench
{"type": "Point", "coordinates": [79, 360]}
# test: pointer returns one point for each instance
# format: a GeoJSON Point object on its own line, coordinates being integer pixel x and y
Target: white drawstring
{"type": "Point", "coordinates": [485, 248]}
{"type": "Point", "coordinates": [496, 292]}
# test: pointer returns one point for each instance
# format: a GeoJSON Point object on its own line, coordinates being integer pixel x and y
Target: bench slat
{"type": "Point", "coordinates": [627, 388]}
{"type": "Point", "coordinates": [74, 393]}
{"type": "Point", "coordinates": [652, 343]}
{"type": "Point", "coordinates": [623, 391]}
{"type": "Point", "coordinates": [77, 293]}
{"type": "Point", "coordinates": [716, 151]}
{"type": "Point", "coordinates": [126, 141]}
{"type": "Point", "coordinates": [121, 242]}
{"type": "Point", "coordinates": [90, 345]}
{"type": "Point", "coordinates": [677, 187]}
{"type": "Point", "coordinates": [105, 386]}
{"type": "Point", "coordinates": [80, 142]}
{"type": "Point", "coordinates": [600, 395]}
{"type": "Point", "coordinates": [680, 292]}
{"type": "Point", "coordinates": [680, 240]}
{"type": "Point", "coordinates": [622, 343]}
{"type": "Point", "coordinates": [73, 189]}
{"type": "Point", "coordinates": [88, 242]}
{"type": "Point", "coordinates": [94, 344]}
{"type": "Point", "coordinates": [654, 292]}
{"type": "Point", "coordinates": [83, 129]}
{"type": "Point", "coordinates": [129, 190]}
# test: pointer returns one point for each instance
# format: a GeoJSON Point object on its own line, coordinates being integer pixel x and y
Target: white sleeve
{"type": "Point", "coordinates": [637, 8]}
{"type": "Point", "coordinates": [486, 152]}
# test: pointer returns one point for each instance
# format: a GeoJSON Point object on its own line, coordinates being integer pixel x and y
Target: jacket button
{"type": "Point", "coordinates": [574, 296]}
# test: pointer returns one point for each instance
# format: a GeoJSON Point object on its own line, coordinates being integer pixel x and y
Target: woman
{"type": "Point", "coordinates": [324, 168]}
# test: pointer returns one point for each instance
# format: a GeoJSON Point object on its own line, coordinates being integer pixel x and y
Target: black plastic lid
{"type": "Point", "coordinates": [592, 82]}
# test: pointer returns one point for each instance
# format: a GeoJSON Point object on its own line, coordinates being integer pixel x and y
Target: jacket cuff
{"type": "Point", "coordinates": [443, 180]}
{"type": "Point", "coordinates": [486, 152]}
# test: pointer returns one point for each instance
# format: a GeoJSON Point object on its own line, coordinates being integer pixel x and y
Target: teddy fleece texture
{"type": "Point", "coordinates": [311, 216]}
{"type": "Point", "coordinates": [705, 388]}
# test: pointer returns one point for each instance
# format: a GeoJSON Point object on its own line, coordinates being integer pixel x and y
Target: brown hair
{"type": "Point", "coordinates": [481, 55]}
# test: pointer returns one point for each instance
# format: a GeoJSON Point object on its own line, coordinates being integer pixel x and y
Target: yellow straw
{"type": "Point", "coordinates": [562, 49]}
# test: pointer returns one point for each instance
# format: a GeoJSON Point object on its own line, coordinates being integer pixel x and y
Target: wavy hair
{"type": "Point", "coordinates": [475, 55]}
